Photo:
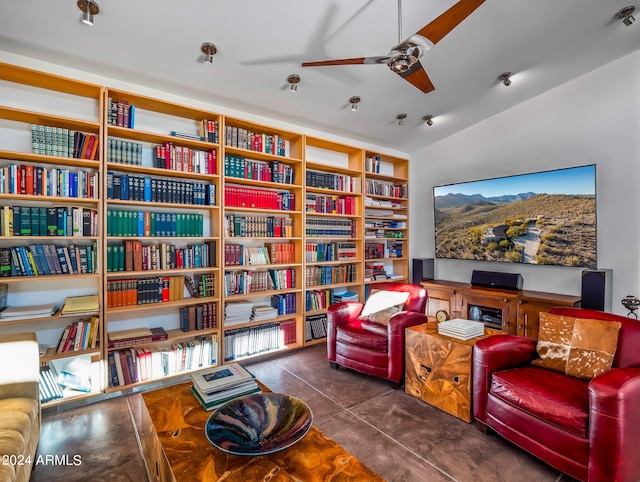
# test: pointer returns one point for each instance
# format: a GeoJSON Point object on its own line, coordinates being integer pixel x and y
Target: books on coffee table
{"type": "Point", "coordinates": [217, 385]}
{"type": "Point", "coordinates": [461, 328]}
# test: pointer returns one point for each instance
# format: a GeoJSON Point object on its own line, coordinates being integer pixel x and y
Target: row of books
{"type": "Point", "coordinates": [315, 327]}
{"type": "Point", "coordinates": [47, 259]}
{"type": "Point", "coordinates": [210, 130]}
{"type": "Point", "coordinates": [237, 225]}
{"type": "Point", "coordinates": [124, 152]}
{"type": "Point", "coordinates": [244, 282]}
{"type": "Point", "coordinates": [122, 222]}
{"type": "Point", "coordinates": [334, 251]}
{"type": "Point", "coordinates": [135, 337]}
{"type": "Point", "coordinates": [215, 386]}
{"type": "Point", "coordinates": [330, 228]}
{"type": "Point", "coordinates": [121, 113]}
{"type": "Point", "coordinates": [184, 159]}
{"type": "Point", "coordinates": [318, 299]}
{"type": "Point", "coordinates": [135, 256]}
{"type": "Point", "coordinates": [375, 271]}
{"type": "Point", "coordinates": [270, 253]}
{"type": "Point", "coordinates": [198, 317]}
{"type": "Point", "coordinates": [48, 221]}
{"type": "Point", "coordinates": [393, 249]}
{"type": "Point", "coordinates": [256, 141]}
{"type": "Point", "coordinates": [388, 189]}
{"type": "Point", "coordinates": [327, 275]}
{"type": "Point", "coordinates": [27, 179]}
{"type": "Point", "coordinates": [242, 342]}
{"type": "Point", "coordinates": [133, 365]}
{"type": "Point", "coordinates": [329, 180]}
{"type": "Point", "coordinates": [62, 142]}
{"type": "Point", "coordinates": [385, 224]}
{"type": "Point", "coordinates": [372, 164]}
{"type": "Point", "coordinates": [269, 171]}
{"type": "Point", "coordinates": [48, 386]}
{"type": "Point", "coordinates": [131, 187]}
{"type": "Point", "coordinates": [263, 313]}
{"type": "Point", "coordinates": [320, 203]}
{"type": "Point", "coordinates": [285, 303]}
{"type": "Point", "coordinates": [249, 197]}
{"type": "Point", "coordinates": [382, 234]}
{"type": "Point", "coordinates": [142, 291]}
{"type": "Point", "coordinates": [79, 335]}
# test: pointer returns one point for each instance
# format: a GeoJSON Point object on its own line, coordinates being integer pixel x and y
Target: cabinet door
{"type": "Point", "coordinates": [496, 307]}
{"type": "Point", "coordinates": [529, 317]}
{"type": "Point", "coordinates": [440, 298]}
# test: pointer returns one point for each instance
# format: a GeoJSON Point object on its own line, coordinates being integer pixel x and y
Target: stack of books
{"type": "Point", "coordinates": [236, 312]}
{"type": "Point", "coordinates": [80, 305]}
{"type": "Point", "coordinates": [215, 386]}
{"type": "Point", "coordinates": [345, 296]}
{"type": "Point", "coordinates": [25, 312]}
{"type": "Point", "coordinates": [263, 312]}
{"type": "Point", "coordinates": [461, 329]}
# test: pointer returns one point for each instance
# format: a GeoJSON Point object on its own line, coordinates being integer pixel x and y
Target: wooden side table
{"type": "Point", "coordinates": [438, 368]}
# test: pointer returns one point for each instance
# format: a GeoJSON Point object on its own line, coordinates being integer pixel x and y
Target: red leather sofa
{"type": "Point", "coordinates": [589, 430]}
{"type": "Point", "coordinates": [370, 347]}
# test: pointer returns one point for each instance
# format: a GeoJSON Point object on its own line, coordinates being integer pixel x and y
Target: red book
{"type": "Point", "coordinates": [165, 289]}
{"type": "Point", "coordinates": [88, 146]}
{"type": "Point", "coordinates": [28, 180]}
{"type": "Point", "coordinates": [94, 149]}
{"type": "Point", "coordinates": [167, 155]}
{"type": "Point", "coordinates": [20, 179]}
{"type": "Point", "coordinates": [125, 367]}
{"type": "Point", "coordinates": [137, 255]}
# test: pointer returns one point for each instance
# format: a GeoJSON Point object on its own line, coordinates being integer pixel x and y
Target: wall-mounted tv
{"type": "Point", "coordinates": [545, 218]}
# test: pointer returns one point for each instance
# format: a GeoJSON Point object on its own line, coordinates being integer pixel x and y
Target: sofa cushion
{"type": "Point", "coordinates": [363, 333]}
{"type": "Point", "coordinates": [578, 347]}
{"type": "Point", "coordinates": [382, 305]}
{"type": "Point", "coordinates": [558, 399]}
{"type": "Point", "coordinates": [27, 406]}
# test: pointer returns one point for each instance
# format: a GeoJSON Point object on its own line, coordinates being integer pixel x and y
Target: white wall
{"type": "Point", "coordinates": [594, 119]}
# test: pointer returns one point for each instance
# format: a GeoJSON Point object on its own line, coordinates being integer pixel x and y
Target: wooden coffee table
{"type": "Point", "coordinates": [171, 425]}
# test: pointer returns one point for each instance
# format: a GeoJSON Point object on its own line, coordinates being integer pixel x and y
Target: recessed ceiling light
{"type": "Point", "coordinates": [209, 50]}
{"type": "Point", "coordinates": [89, 10]}
{"type": "Point", "coordinates": [505, 78]}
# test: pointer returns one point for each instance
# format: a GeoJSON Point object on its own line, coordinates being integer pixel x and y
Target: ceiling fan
{"type": "Point", "coordinates": [404, 58]}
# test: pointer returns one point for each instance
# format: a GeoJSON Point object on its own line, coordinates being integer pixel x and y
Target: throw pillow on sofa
{"type": "Point", "coordinates": [382, 305]}
{"type": "Point", "coordinates": [578, 347]}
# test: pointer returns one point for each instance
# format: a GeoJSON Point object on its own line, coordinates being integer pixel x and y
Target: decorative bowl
{"type": "Point", "coordinates": [258, 424]}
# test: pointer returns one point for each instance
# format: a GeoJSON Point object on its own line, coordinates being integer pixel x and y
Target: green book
{"type": "Point", "coordinates": [25, 221]}
{"type": "Point", "coordinates": [43, 225]}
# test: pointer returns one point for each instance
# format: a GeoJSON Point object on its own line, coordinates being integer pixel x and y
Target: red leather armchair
{"type": "Point", "coordinates": [369, 347]}
{"type": "Point", "coordinates": [589, 430]}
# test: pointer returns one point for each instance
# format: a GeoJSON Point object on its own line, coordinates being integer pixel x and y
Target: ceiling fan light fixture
{"type": "Point", "coordinates": [209, 50]}
{"type": "Point", "coordinates": [505, 78]}
{"type": "Point", "coordinates": [401, 118]}
{"type": "Point", "coordinates": [626, 15]}
{"type": "Point", "coordinates": [428, 119]}
{"type": "Point", "coordinates": [401, 63]}
{"type": "Point", "coordinates": [354, 102]}
{"type": "Point", "coordinates": [89, 10]}
{"type": "Point", "coordinates": [294, 80]}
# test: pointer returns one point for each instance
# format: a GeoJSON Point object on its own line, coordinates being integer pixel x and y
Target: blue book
{"type": "Point", "coordinates": [132, 116]}
{"type": "Point", "coordinates": [110, 176]}
{"type": "Point", "coordinates": [43, 259]}
{"type": "Point", "coordinates": [147, 189]}
{"type": "Point", "coordinates": [124, 187]}
{"type": "Point", "coordinates": [72, 258]}
{"type": "Point", "coordinates": [140, 228]}
{"type": "Point", "coordinates": [25, 264]}
{"type": "Point", "coordinates": [62, 259]}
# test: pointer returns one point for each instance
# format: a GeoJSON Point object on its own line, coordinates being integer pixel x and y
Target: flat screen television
{"type": "Point", "coordinates": [544, 218]}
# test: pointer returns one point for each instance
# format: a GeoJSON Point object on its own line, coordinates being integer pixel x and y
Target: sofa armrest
{"type": "Point", "coordinates": [337, 315]}
{"type": "Point", "coordinates": [492, 354]}
{"type": "Point", "coordinates": [614, 418]}
{"type": "Point", "coordinates": [19, 366]}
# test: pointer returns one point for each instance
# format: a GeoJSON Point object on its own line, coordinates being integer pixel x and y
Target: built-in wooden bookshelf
{"type": "Point", "coordinates": [162, 225]}
{"type": "Point", "coordinates": [208, 210]}
{"type": "Point", "coordinates": [50, 135]}
{"type": "Point", "coordinates": [386, 218]}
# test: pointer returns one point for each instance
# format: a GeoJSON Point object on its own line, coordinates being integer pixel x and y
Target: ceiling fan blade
{"type": "Point", "coordinates": [418, 77]}
{"type": "Point", "coordinates": [445, 23]}
{"type": "Point", "coordinates": [354, 61]}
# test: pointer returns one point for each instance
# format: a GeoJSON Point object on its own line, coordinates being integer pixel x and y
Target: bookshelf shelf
{"type": "Point", "coordinates": [172, 337]}
{"type": "Point", "coordinates": [150, 204]}
{"type": "Point", "coordinates": [158, 306]}
{"type": "Point", "coordinates": [52, 355]}
{"type": "Point", "coordinates": [46, 159]}
{"type": "Point", "coordinates": [51, 277]}
{"type": "Point", "coordinates": [257, 294]}
{"type": "Point", "coordinates": [154, 272]}
{"type": "Point", "coordinates": [237, 326]}
{"type": "Point", "coordinates": [50, 199]}
{"type": "Point", "coordinates": [156, 171]}
{"type": "Point", "coordinates": [30, 117]}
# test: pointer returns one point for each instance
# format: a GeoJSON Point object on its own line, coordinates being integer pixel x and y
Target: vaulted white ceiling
{"type": "Point", "coordinates": [156, 43]}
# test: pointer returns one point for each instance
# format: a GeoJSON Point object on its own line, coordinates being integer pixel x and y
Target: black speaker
{"type": "Point", "coordinates": [596, 289]}
{"type": "Point", "coordinates": [422, 270]}
{"type": "Point", "coordinates": [497, 279]}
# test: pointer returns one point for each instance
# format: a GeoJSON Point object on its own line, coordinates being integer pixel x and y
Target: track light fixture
{"type": "Point", "coordinates": [294, 80]}
{"type": "Point", "coordinates": [354, 102]}
{"type": "Point", "coordinates": [209, 50]}
{"type": "Point", "coordinates": [505, 78]}
{"type": "Point", "coordinates": [626, 15]}
{"type": "Point", "coordinates": [401, 118]}
{"type": "Point", "coordinates": [89, 10]}
{"type": "Point", "coordinates": [428, 119]}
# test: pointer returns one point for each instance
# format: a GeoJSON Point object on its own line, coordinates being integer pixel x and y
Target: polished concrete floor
{"type": "Point", "coordinates": [397, 436]}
